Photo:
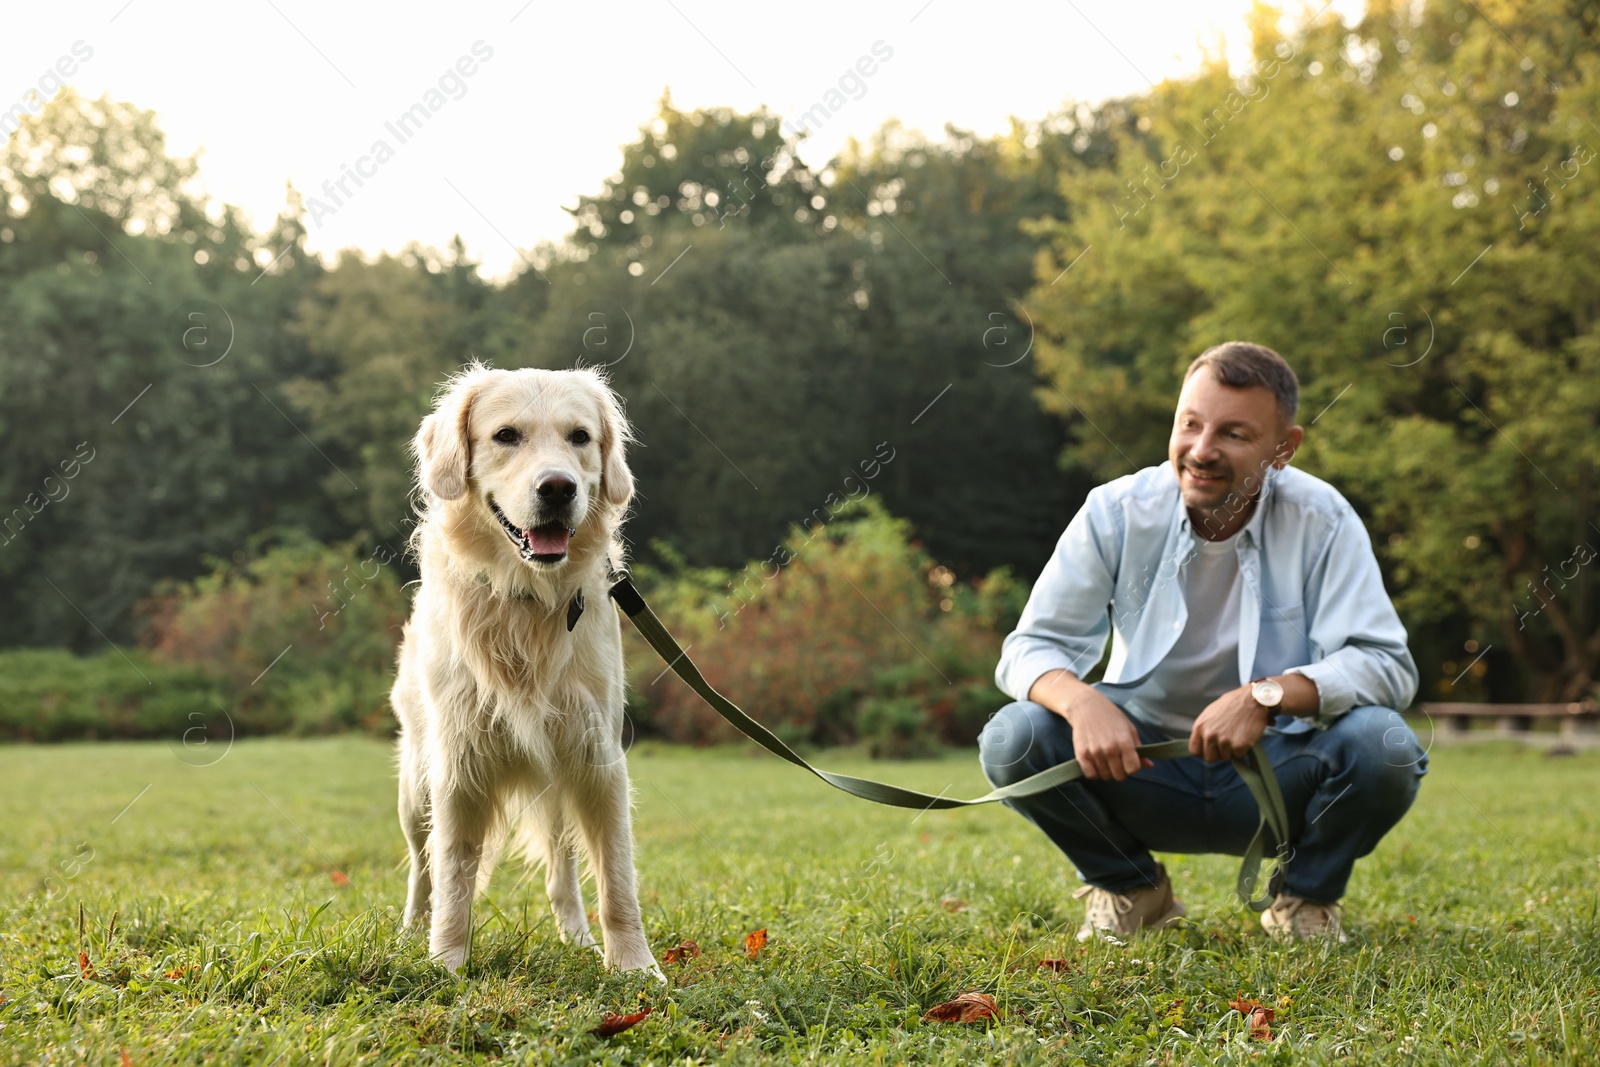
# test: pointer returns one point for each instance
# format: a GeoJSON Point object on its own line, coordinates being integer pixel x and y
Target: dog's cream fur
{"type": "Point", "coordinates": [510, 725]}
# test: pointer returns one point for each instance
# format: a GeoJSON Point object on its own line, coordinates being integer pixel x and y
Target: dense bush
{"type": "Point", "coordinates": [848, 632]}
{"type": "Point", "coordinates": [303, 635]}
{"type": "Point", "coordinates": [49, 694]}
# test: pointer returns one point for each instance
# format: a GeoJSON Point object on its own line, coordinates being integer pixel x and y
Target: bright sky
{"type": "Point", "coordinates": [276, 91]}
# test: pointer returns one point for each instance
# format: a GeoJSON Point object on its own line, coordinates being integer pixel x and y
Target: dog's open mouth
{"type": "Point", "coordinates": [537, 544]}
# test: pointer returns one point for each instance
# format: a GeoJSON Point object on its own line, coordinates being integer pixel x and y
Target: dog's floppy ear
{"type": "Point", "coordinates": [444, 449]}
{"type": "Point", "coordinates": [616, 480]}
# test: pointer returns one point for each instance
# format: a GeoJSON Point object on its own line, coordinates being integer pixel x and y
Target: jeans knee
{"type": "Point", "coordinates": [1009, 741]}
{"type": "Point", "coordinates": [1385, 754]}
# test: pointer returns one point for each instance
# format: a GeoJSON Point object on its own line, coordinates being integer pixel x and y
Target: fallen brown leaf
{"type": "Point", "coordinates": [178, 972]}
{"type": "Point", "coordinates": [85, 968]}
{"type": "Point", "coordinates": [754, 942]}
{"type": "Point", "coordinates": [340, 879]}
{"type": "Point", "coordinates": [614, 1024]}
{"type": "Point", "coordinates": [967, 1008]}
{"type": "Point", "coordinates": [1055, 965]}
{"type": "Point", "coordinates": [123, 1059]}
{"type": "Point", "coordinates": [952, 904]}
{"type": "Point", "coordinates": [1260, 1017]}
{"type": "Point", "coordinates": [683, 950]}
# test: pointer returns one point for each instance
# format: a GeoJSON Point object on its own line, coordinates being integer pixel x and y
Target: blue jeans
{"type": "Point", "coordinates": [1345, 787]}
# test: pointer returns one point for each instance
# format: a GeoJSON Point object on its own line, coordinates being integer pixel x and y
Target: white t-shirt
{"type": "Point", "coordinates": [1204, 663]}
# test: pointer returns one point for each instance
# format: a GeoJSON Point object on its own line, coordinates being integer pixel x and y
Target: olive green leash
{"type": "Point", "coordinates": [1254, 768]}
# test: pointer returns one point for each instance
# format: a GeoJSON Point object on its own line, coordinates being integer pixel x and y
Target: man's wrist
{"type": "Point", "coordinates": [1299, 698]}
{"type": "Point", "coordinates": [1266, 694]}
{"type": "Point", "coordinates": [1051, 690]}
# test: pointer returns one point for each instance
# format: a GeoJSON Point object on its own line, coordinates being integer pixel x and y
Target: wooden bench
{"type": "Point", "coordinates": [1577, 720]}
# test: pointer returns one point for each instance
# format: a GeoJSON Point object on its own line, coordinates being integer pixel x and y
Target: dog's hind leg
{"type": "Point", "coordinates": [549, 838]}
{"type": "Point", "coordinates": [414, 823]}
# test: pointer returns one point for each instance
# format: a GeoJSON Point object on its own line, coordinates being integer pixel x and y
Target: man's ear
{"type": "Point", "coordinates": [616, 480]}
{"type": "Point", "coordinates": [443, 447]}
{"type": "Point", "coordinates": [1288, 446]}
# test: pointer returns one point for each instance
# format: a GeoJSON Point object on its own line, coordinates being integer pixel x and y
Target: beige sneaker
{"type": "Point", "coordinates": [1302, 919]}
{"type": "Point", "coordinates": [1118, 916]}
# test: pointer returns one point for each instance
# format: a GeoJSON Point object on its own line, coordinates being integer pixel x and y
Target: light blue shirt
{"type": "Point", "coordinates": [1313, 599]}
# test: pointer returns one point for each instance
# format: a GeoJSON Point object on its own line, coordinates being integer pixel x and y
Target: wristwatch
{"type": "Point", "coordinates": [1267, 693]}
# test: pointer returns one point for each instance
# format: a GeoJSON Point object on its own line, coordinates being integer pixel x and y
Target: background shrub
{"type": "Point", "coordinates": [858, 633]}
{"type": "Point", "coordinates": [49, 694]}
{"type": "Point", "coordinates": [303, 635]}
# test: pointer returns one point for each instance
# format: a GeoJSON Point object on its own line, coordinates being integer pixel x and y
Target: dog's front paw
{"type": "Point", "coordinates": [638, 961]}
{"type": "Point", "coordinates": [451, 957]}
{"type": "Point", "coordinates": [651, 970]}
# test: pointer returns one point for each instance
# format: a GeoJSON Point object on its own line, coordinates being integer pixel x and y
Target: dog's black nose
{"type": "Point", "coordinates": [556, 489]}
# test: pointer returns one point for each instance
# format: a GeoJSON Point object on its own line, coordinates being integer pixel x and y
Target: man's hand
{"type": "Point", "coordinates": [1103, 738]}
{"type": "Point", "coordinates": [1229, 726]}
{"type": "Point", "coordinates": [1234, 721]}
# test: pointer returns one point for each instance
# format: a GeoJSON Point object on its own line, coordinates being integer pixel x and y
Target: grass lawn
{"type": "Point", "coordinates": [256, 904]}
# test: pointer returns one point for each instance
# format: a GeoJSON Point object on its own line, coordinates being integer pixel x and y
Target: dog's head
{"type": "Point", "coordinates": [540, 452]}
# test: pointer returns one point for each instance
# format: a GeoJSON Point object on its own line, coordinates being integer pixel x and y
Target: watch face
{"type": "Point", "coordinates": [1268, 694]}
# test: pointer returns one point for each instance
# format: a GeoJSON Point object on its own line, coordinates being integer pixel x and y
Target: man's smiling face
{"type": "Point", "coordinates": [1223, 441]}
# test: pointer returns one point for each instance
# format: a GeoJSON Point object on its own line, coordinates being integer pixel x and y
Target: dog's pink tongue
{"type": "Point", "coordinates": [549, 540]}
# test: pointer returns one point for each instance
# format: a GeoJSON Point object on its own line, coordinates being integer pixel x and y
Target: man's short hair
{"type": "Point", "coordinates": [1241, 365]}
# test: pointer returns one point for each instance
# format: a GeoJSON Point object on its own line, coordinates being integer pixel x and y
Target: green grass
{"type": "Point", "coordinates": [1474, 926]}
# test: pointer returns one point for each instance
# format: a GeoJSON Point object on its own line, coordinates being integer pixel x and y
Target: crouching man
{"type": "Point", "coordinates": [1244, 605]}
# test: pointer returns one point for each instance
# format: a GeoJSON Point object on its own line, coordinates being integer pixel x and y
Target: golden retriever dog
{"type": "Point", "coordinates": [509, 693]}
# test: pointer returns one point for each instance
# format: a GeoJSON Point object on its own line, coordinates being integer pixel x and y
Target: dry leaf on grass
{"type": "Point", "coordinates": [952, 904]}
{"type": "Point", "coordinates": [683, 950]}
{"type": "Point", "coordinates": [85, 968]}
{"type": "Point", "coordinates": [123, 1059]}
{"type": "Point", "coordinates": [1260, 1017]}
{"type": "Point", "coordinates": [1057, 965]}
{"type": "Point", "coordinates": [754, 942]}
{"type": "Point", "coordinates": [967, 1008]}
{"type": "Point", "coordinates": [614, 1024]}
{"type": "Point", "coordinates": [340, 879]}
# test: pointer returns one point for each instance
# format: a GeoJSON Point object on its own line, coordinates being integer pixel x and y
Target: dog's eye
{"type": "Point", "coordinates": [507, 436]}
{"type": "Point", "coordinates": [579, 437]}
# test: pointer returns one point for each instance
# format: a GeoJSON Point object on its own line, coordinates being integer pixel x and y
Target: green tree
{"type": "Point", "coordinates": [382, 328]}
{"type": "Point", "coordinates": [709, 167]}
{"type": "Point", "coordinates": [767, 351]}
{"type": "Point", "coordinates": [1362, 203]}
{"type": "Point", "coordinates": [121, 292]}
